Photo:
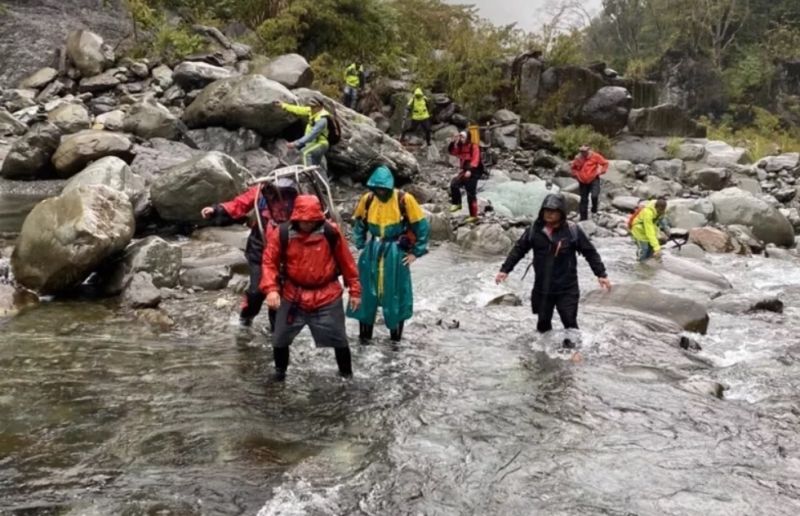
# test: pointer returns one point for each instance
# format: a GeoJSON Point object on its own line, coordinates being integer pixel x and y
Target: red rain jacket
{"type": "Point", "coordinates": [311, 279]}
{"type": "Point", "coordinates": [587, 169]}
{"type": "Point", "coordinates": [272, 214]}
{"type": "Point", "coordinates": [468, 154]}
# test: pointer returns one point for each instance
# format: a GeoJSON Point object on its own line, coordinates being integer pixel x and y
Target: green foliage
{"type": "Point", "coordinates": [673, 147]}
{"type": "Point", "coordinates": [566, 49]}
{"type": "Point", "coordinates": [157, 38]}
{"type": "Point", "coordinates": [3, 9]}
{"type": "Point", "coordinates": [568, 140]}
{"type": "Point", "coordinates": [765, 136]}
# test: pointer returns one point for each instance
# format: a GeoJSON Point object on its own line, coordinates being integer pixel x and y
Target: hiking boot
{"type": "Point", "coordinates": [279, 375]}
{"type": "Point", "coordinates": [454, 208]}
{"type": "Point", "coordinates": [365, 333]}
{"type": "Point", "coordinates": [396, 334]}
{"type": "Point", "coordinates": [471, 220]}
{"type": "Point", "coordinates": [568, 344]}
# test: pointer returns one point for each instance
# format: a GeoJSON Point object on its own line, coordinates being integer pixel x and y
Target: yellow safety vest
{"type": "Point", "coordinates": [352, 75]}
{"type": "Point", "coordinates": [419, 108]}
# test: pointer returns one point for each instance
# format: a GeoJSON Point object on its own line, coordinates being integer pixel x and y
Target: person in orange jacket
{"type": "Point", "coordinates": [471, 169]}
{"type": "Point", "coordinates": [302, 263]}
{"type": "Point", "coordinates": [587, 167]}
{"type": "Point", "coordinates": [272, 204]}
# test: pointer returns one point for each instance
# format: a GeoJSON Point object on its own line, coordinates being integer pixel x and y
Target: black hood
{"type": "Point", "coordinates": [554, 202]}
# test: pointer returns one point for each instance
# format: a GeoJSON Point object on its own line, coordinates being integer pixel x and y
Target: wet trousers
{"type": "Point", "coordinates": [589, 190]}
{"type": "Point", "coordinates": [565, 302]}
{"type": "Point", "coordinates": [253, 297]}
{"type": "Point", "coordinates": [469, 184]}
{"type": "Point", "coordinates": [425, 125]}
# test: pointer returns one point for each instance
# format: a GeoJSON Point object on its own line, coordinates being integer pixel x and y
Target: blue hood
{"type": "Point", "coordinates": [381, 178]}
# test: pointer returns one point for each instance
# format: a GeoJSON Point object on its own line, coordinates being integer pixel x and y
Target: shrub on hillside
{"type": "Point", "coordinates": [568, 140]}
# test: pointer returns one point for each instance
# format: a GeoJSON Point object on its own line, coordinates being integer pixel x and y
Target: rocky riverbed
{"type": "Point", "coordinates": [128, 389]}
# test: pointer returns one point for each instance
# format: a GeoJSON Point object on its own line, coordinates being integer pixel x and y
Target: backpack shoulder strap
{"type": "Point", "coordinates": [367, 204]}
{"type": "Point", "coordinates": [283, 234]}
{"type": "Point", "coordinates": [401, 204]}
{"type": "Point", "coordinates": [331, 235]}
{"type": "Point", "coordinates": [573, 235]}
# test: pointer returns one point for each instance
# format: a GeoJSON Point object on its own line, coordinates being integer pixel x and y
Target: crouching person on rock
{"type": "Point", "coordinates": [391, 231]}
{"type": "Point", "coordinates": [302, 264]}
{"type": "Point", "coordinates": [555, 243]}
{"type": "Point", "coordinates": [272, 204]}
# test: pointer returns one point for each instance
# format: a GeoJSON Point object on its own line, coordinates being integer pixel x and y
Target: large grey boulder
{"type": "Point", "coordinates": [245, 101]}
{"type": "Point", "coordinates": [231, 142]}
{"type": "Point", "coordinates": [16, 100]}
{"type": "Point", "coordinates": [14, 299]}
{"type": "Point", "coordinates": [709, 178]}
{"type": "Point", "coordinates": [141, 293]}
{"type": "Point", "coordinates": [664, 120]}
{"type": "Point", "coordinates": [110, 121]}
{"type": "Point", "coordinates": [685, 214]}
{"type": "Point", "coordinates": [639, 150]}
{"type": "Point", "coordinates": [506, 136]}
{"type": "Point", "coordinates": [10, 126]}
{"type": "Point", "coordinates": [619, 172]}
{"type": "Point", "coordinates": [654, 187]}
{"type": "Point", "coordinates": [607, 110]}
{"type": "Point", "coordinates": [162, 75]}
{"type": "Point", "coordinates": [528, 71]}
{"type": "Point", "coordinates": [440, 228]}
{"type": "Point", "coordinates": [738, 302]}
{"type": "Point", "coordinates": [152, 255]}
{"type": "Point", "coordinates": [116, 174]}
{"type": "Point", "coordinates": [291, 70]}
{"type": "Point", "coordinates": [735, 206]}
{"type": "Point", "coordinates": [191, 75]}
{"type": "Point", "coordinates": [158, 154]}
{"type": "Point", "coordinates": [70, 117]}
{"type": "Point", "coordinates": [363, 145]}
{"type": "Point", "coordinates": [149, 119]}
{"type": "Point", "coordinates": [39, 79]}
{"type": "Point", "coordinates": [65, 238]}
{"type": "Point", "coordinates": [721, 154]}
{"type": "Point", "coordinates": [103, 82]}
{"type": "Point", "coordinates": [180, 192]}
{"type": "Point", "coordinates": [711, 240]}
{"type": "Point", "coordinates": [30, 156]}
{"type": "Point", "coordinates": [486, 238]}
{"type": "Point", "coordinates": [206, 278]}
{"type": "Point", "coordinates": [789, 161]}
{"type": "Point", "coordinates": [535, 137]}
{"type": "Point", "coordinates": [79, 149]}
{"type": "Point", "coordinates": [639, 297]}
{"type": "Point", "coordinates": [89, 53]}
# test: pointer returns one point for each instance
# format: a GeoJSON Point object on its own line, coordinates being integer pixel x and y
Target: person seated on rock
{"type": "Point", "coordinates": [314, 144]}
{"type": "Point", "coordinates": [391, 231]}
{"type": "Point", "coordinates": [353, 82]}
{"type": "Point", "coordinates": [272, 204]}
{"type": "Point", "coordinates": [644, 224]}
{"type": "Point", "coordinates": [302, 264]}
{"type": "Point", "coordinates": [417, 107]}
{"type": "Point", "coordinates": [470, 171]}
{"type": "Point", "coordinates": [587, 167]}
{"type": "Point", "coordinates": [555, 243]}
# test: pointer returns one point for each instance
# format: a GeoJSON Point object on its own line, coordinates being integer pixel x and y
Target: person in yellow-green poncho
{"type": "Point", "coordinates": [391, 231]}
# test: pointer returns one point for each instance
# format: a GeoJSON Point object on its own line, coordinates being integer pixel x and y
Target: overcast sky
{"type": "Point", "coordinates": [528, 14]}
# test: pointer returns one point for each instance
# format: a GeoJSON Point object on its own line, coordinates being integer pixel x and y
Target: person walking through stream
{"type": "Point", "coordinates": [555, 243]}
{"type": "Point", "coordinates": [302, 264]}
{"type": "Point", "coordinates": [399, 235]}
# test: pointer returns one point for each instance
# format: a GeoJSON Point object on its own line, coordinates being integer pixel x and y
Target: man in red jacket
{"type": "Point", "coordinates": [301, 281]}
{"type": "Point", "coordinates": [469, 158]}
{"type": "Point", "coordinates": [272, 205]}
{"type": "Point", "coordinates": [587, 167]}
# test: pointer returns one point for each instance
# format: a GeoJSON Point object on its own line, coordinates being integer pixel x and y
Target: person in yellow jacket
{"type": "Point", "coordinates": [644, 229]}
{"type": "Point", "coordinates": [420, 116]}
{"type": "Point", "coordinates": [314, 144]}
{"type": "Point", "coordinates": [353, 82]}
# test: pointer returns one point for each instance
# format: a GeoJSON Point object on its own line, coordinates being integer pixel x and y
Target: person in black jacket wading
{"type": "Point", "coordinates": [555, 242]}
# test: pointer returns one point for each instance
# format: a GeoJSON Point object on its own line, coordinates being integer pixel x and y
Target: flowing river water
{"type": "Point", "coordinates": [472, 414]}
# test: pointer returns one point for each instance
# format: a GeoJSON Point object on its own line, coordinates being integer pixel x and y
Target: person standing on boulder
{"type": "Point", "coordinates": [392, 232]}
{"type": "Point", "coordinates": [555, 243]}
{"type": "Point", "coordinates": [587, 167]}
{"type": "Point", "coordinates": [272, 204]}
{"type": "Point", "coordinates": [314, 144]}
{"type": "Point", "coordinates": [417, 107]}
{"type": "Point", "coordinates": [471, 170]}
{"type": "Point", "coordinates": [353, 82]}
{"type": "Point", "coordinates": [302, 263]}
{"type": "Point", "coordinates": [644, 225]}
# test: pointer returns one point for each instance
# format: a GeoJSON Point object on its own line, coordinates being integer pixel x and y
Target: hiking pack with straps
{"type": "Point", "coordinates": [331, 236]}
{"type": "Point", "coordinates": [632, 217]}
{"type": "Point", "coordinates": [408, 238]}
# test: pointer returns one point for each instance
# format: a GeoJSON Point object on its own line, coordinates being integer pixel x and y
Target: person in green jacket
{"type": "Point", "coordinates": [314, 144]}
{"type": "Point", "coordinates": [645, 226]}
{"type": "Point", "coordinates": [391, 231]}
{"type": "Point", "coordinates": [353, 82]}
{"type": "Point", "coordinates": [420, 115]}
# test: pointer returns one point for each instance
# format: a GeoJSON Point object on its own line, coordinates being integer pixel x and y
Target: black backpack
{"type": "Point", "coordinates": [334, 130]}
{"type": "Point", "coordinates": [331, 235]}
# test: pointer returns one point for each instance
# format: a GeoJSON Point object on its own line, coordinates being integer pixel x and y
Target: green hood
{"type": "Point", "coordinates": [381, 178]}
{"type": "Point", "coordinates": [418, 93]}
